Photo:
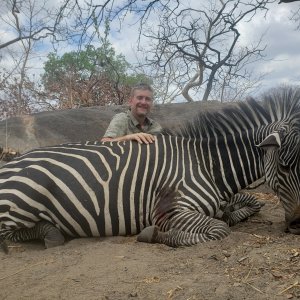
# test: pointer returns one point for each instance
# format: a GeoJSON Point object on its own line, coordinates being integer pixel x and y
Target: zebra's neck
{"type": "Point", "coordinates": [233, 161]}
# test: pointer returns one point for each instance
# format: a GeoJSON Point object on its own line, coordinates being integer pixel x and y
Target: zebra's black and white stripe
{"type": "Point", "coordinates": [180, 190]}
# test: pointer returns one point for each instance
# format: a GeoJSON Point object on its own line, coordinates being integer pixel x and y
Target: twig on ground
{"type": "Point", "coordinates": [26, 268]}
{"type": "Point", "coordinates": [255, 288]}
{"type": "Point", "coordinates": [288, 288]}
{"type": "Point", "coordinates": [246, 278]}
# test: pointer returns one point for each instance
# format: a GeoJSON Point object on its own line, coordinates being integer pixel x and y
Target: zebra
{"type": "Point", "coordinates": [181, 190]}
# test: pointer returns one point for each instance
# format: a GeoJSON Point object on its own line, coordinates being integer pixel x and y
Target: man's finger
{"type": "Point", "coordinates": [149, 137]}
{"type": "Point", "coordinates": [137, 138]}
{"type": "Point", "coordinates": [143, 138]}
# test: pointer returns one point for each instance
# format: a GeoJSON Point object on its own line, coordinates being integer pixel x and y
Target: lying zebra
{"type": "Point", "coordinates": [181, 190]}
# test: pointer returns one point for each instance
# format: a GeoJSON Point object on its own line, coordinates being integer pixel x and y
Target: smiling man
{"type": "Point", "coordinates": [135, 123]}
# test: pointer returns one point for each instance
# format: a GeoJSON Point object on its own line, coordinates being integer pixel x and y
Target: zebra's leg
{"type": "Point", "coordinates": [240, 207]}
{"type": "Point", "coordinates": [41, 231]}
{"type": "Point", "coordinates": [3, 245]}
{"type": "Point", "coordinates": [187, 228]}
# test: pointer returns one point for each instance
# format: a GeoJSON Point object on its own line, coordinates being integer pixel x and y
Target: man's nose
{"type": "Point", "coordinates": [144, 100]}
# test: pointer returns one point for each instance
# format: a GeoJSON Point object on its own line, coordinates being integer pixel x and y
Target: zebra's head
{"type": "Point", "coordinates": [282, 171]}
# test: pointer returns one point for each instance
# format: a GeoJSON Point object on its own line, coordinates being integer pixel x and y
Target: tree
{"type": "Point", "coordinates": [17, 90]}
{"type": "Point", "coordinates": [287, 1]}
{"type": "Point", "coordinates": [94, 76]}
{"type": "Point", "coordinates": [23, 25]}
{"type": "Point", "coordinates": [296, 17]}
{"type": "Point", "coordinates": [195, 48]}
{"type": "Point", "coordinates": [28, 23]}
{"type": "Point", "coordinates": [234, 84]}
{"type": "Point", "coordinates": [204, 44]}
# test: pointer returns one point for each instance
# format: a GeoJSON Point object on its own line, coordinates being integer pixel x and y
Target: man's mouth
{"type": "Point", "coordinates": [142, 107]}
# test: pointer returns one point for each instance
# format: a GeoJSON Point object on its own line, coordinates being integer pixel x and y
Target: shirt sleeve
{"type": "Point", "coordinates": [117, 127]}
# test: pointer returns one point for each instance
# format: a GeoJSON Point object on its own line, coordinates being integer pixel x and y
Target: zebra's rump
{"type": "Point", "coordinates": [90, 189]}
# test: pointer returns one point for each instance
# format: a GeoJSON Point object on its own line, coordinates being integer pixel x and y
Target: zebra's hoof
{"type": "Point", "coordinates": [148, 234]}
{"type": "Point", "coordinates": [54, 238]}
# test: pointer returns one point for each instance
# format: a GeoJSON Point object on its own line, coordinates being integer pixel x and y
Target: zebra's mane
{"type": "Point", "coordinates": [279, 105]}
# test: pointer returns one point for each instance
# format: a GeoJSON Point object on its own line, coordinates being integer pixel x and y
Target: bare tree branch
{"type": "Point", "coordinates": [205, 41]}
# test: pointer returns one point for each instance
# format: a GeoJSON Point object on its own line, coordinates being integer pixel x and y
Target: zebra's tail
{"type": "Point", "coordinates": [3, 245]}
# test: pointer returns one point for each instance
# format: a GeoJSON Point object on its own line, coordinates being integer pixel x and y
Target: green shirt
{"type": "Point", "coordinates": [125, 123]}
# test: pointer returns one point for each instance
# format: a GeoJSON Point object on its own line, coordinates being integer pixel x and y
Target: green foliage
{"type": "Point", "coordinates": [85, 64]}
{"type": "Point", "coordinates": [93, 76]}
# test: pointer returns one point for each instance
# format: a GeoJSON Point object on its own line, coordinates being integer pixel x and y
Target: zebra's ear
{"type": "Point", "coordinates": [271, 142]}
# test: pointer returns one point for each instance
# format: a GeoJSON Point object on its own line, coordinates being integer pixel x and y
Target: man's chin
{"type": "Point", "coordinates": [142, 113]}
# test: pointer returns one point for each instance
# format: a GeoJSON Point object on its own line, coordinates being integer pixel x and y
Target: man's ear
{"type": "Point", "coordinates": [271, 142]}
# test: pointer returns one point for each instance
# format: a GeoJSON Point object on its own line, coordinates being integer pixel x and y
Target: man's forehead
{"type": "Point", "coordinates": [143, 92]}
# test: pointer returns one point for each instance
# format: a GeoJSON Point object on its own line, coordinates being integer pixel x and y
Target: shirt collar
{"type": "Point", "coordinates": [148, 121]}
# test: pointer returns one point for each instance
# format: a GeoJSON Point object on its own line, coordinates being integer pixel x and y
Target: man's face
{"type": "Point", "coordinates": [141, 102]}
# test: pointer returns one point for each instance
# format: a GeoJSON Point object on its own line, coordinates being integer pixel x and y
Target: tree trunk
{"type": "Point", "coordinates": [209, 84]}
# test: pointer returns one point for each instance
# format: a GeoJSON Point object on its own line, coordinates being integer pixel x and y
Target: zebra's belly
{"type": "Point", "coordinates": [71, 225]}
{"type": "Point", "coordinates": [80, 209]}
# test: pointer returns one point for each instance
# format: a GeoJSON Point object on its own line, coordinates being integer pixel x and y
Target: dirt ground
{"type": "Point", "coordinates": [256, 261]}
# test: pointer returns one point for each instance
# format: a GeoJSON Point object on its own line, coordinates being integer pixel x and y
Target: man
{"type": "Point", "coordinates": [134, 124]}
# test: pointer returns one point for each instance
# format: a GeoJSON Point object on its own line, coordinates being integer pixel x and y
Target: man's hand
{"type": "Point", "coordinates": [141, 137]}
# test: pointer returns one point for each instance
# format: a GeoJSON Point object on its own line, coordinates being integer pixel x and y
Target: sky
{"type": "Point", "coordinates": [282, 40]}
{"type": "Point", "coordinates": [282, 61]}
